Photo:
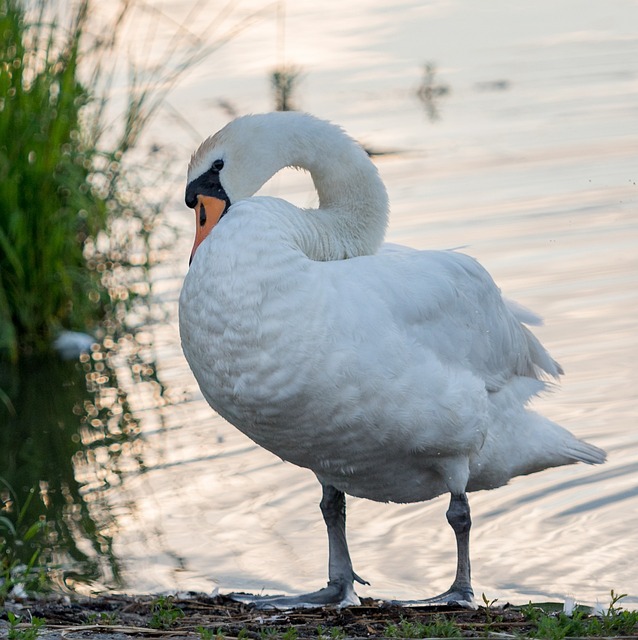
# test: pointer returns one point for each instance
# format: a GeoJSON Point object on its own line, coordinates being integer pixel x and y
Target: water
{"type": "Point", "coordinates": [529, 160]}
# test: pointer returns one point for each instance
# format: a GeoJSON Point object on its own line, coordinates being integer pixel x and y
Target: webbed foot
{"type": "Point", "coordinates": [339, 593]}
{"type": "Point", "coordinates": [461, 596]}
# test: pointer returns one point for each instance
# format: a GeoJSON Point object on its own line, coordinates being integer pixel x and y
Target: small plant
{"type": "Point", "coordinates": [488, 604]}
{"type": "Point", "coordinates": [164, 613]}
{"type": "Point", "coordinates": [269, 633]}
{"type": "Point", "coordinates": [440, 627]}
{"type": "Point", "coordinates": [613, 610]}
{"type": "Point", "coordinates": [531, 612]}
{"type": "Point", "coordinates": [488, 609]}
{"type": "Point", "coordinates": [617, 621]}
{"type": "Point", "coordinates": [103, 618]}
{"type": "Point", "coordinates": [20, 631]}
{"type": "Point", "coordinates": [15, 533]}
{"type": "Point", "coordinates": [430, 91]}
{"type": "Point", "coordinates": [290, 634]}
{"type": "Point", "coordinates": [209, 634]}
{"type": "Point", "coordinates": [283, 81]}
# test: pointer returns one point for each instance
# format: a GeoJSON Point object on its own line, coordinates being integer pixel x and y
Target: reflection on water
{"type": "Point", "coordinates": [532, 165]}
{"type": "Point", "coordinates": [431, 91]}
{"type": "Point", "coordinates": [44, 440]}
{"type": "Point", "coordinates": [70, 434]}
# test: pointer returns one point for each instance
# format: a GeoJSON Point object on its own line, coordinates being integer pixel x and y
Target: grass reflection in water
{"type": "Point", "coordinates": [68, 436]}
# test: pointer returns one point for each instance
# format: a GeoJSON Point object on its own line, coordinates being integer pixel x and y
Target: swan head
{"type": "Point", "coordinates": [239, 159]}
{"type": "Point", "coordinates": [234, 164]}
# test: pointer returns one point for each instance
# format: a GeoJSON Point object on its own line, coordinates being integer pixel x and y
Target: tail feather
{"type": "Point", "coordinates": [540, 356]}
{"type": "Point", "coordinates": [581, 451]}
{"type": "Point", "coordinates": [541, 359]}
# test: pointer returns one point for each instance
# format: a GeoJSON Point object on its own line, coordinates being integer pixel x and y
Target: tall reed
{"type": "Point", "coordinates": [72, 223]}
{"type": "Point", "coordinates": [48, 206]}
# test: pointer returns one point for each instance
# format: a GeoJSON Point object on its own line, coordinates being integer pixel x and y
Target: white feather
{"type": "Point", "coordinates": [393, 374]}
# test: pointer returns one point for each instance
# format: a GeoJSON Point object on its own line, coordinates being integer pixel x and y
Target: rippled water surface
{"type": "Point", "coordinates": [523, 149]}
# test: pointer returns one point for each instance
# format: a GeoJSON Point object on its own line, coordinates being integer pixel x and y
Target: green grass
{"type": "Point", "coordinates": [440, 627]}
{"type": "Point", "coordinates": [615, 621]}
{"type": "Point", "coordinates": [543, 623]}
{"type": "Point", "coordinates": [14, 536]}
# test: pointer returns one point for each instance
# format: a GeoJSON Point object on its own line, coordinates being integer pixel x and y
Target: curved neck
{"type": "Point", "coordinates": [353, 203]}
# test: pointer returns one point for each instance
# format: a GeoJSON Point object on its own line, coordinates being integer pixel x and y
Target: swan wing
{"type": "Point", "coordinates": [446, 303]}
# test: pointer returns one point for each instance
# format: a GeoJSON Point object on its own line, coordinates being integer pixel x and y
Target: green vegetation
{"type": "Point", "coordinates": [14, 535]}
{"type": "Point", "coordinates": [73, 255]}
{"type": "Point", "coordinates": [164, 613]}
{"type": "Point", "coordinates": [615, 621]}
{"type": "Point", "coordinates": [75, 214]}
{"type": "Point", "coordinates": [440, 627]}
{"type": "Point", "coordinates": [283, 81]}
{"type": "Point", "coordinates": [290, 634]}
{"type": "Point", "coordinates": [530, 621]}
{"type": "Point", "coordinates": [61, 186]}
{"type": "Point", "coordinates": [220, 619]}
{"type": "Point", "coordinates": [208, 634]}
{"type": "Point", "coordinates": [103, 618]}
{"type": "Point", "coordinates": [334, 633]}
{"type": "Point", "coordinates": [23, 631]}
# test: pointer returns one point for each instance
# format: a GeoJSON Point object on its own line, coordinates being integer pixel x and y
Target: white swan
{"type": "Point", "coordinates": [393, 374]}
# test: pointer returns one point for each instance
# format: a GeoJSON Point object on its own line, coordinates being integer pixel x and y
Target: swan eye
{"type": "Point", "coordinates": [218, 165]}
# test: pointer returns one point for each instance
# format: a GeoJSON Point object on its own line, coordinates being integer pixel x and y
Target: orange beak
{"type": "Point", "coordinates": [208, 211]}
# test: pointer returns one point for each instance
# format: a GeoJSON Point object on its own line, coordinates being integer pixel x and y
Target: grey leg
{"type": "Point", "coordinates": [333, 508]}
{"type": "Point", "coordinates": [458, 515]}
{"type": "Point", "coordinates": [341, 577]}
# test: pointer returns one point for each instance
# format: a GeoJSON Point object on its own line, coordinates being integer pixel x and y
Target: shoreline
{"type": "Point", "coordinates": [118, 617]}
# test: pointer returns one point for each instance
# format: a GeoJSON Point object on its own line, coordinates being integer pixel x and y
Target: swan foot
{"type": "Point", "coordinates": [338, 593]}
{"type": "Point", "coordinates": [341, 577]}
{"type": "Point", "coordinates": [460, 593]}
{"type": "Point", "coordinates": [459, 596]}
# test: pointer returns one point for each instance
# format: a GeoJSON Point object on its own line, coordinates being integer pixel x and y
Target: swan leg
{"type": "Point", "coordinates": [341, 577]}
{"type": "Point", "coordinates": [340, 572]}
{"type": "Point", "coordinates": [458, 515]}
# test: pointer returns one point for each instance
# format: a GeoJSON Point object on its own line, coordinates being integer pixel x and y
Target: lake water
{"type": "Point", "coordinates": [523, 149]}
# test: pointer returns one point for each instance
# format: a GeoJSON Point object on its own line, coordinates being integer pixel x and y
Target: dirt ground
{"type": "Point", "coordinates": [118, 617]}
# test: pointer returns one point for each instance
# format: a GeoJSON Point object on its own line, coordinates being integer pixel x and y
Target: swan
{"type": "Point", "coordinates": [393, 374]}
